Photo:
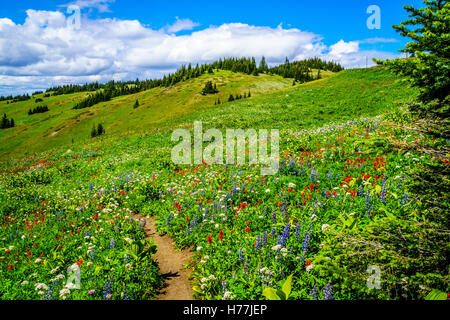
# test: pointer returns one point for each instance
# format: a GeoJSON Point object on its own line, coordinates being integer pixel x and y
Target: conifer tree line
{"type": "Point", "coordinates": [18, 98]}
{"type": "Point", "coordinates": [238, 97]}
{"type": "Point", "coordinates": [232, 97]}
{"type": "Point", "coordinates": [244, 65]}
{"type": "Point", "coordinates": [301, 71]}
{"type": "Point", "coordinates": [39, 109]}
{"type": "Point", "coordinates": [6, 123]}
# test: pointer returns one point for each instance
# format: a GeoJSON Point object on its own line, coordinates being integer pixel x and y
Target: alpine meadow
{"type": "Point", "coordinates": [94, 205]}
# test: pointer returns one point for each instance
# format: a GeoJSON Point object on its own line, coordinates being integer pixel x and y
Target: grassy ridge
{"type": "Point", "coordinates": [344, 96]}
{"type": "Point", "coordinates": [62, 124]}
{"type": "Point", "coordinates": [340, 97]}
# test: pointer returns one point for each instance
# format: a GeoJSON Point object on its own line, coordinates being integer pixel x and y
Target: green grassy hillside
{"type": "Point", "coordinates": [61, 124]}
{"type": "Point", "coordinates": [344, 96]}
{"type": "Point", "coordinates": [275, 103]}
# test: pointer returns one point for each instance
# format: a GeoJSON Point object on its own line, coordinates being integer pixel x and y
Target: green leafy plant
{"type": "Point", "coordinates": [279, 294]}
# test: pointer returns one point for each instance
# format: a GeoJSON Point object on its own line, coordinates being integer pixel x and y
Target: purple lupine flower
{"type": "Point", "coordinates": [383, 191]}
{"type": "Point", "coordinates": [246, 265]}
{"type": "Point", "coordinates": [297, 231]}
{"type": "Point", "coordinates": [404, 199]}
{"type": "Point", "coordinates": [305, 244]}
{"type": "Point", "coordinates": [195, 221]}
{"type": "Point", "coordinates": [241, 255]}
{"type": "Point", "coordinates": [274, 232]}
{"type": "Point", "coordinates": [369, 204]}
{"type": "Point", "coordinates": [258, 243]}
{"type": "Point", "coordinates": [328, 292]}
{"type": "Point", "coordinates": [169, 217]}
{"type": "Point", "coordinates": [264, 239]}
{"type": "Point", "coordinates": [361, 191]}
{"type": "Point", "coordinates": [224, 286]}
{"type": "Point", "coordinates": [285, 235]}
{"type": "Point", "coordinates": [313, 292]}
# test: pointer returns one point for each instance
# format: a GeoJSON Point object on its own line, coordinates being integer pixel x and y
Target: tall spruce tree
{"type": "Point", "coordinates": [263, 65]}
{"type": "Point", "coordinates": [100, 129]}
{"type": "Point", "coordinates": [94, 131]}
{"type": "Point", "coordinates": [428, 67]}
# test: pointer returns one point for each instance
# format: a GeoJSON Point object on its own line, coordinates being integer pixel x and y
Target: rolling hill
{"type": "Point", "coordinates": [274, 102]}
{"type": "Point", "coordinates": [62, 124]}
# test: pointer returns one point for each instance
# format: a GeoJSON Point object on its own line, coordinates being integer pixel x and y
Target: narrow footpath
{"type": "Point", "coordinates": [172, 265]}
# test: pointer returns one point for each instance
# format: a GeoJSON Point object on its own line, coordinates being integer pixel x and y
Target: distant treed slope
{"type": "Point", "coordinates": [343, 96]}
{"type": "Point", "coordinates": [300, 70]}
{"type": "Point", "coordinates": [62, 122]}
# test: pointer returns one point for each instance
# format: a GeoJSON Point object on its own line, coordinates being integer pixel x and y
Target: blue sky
{"type": "Point", "coordinates": [144, 30]}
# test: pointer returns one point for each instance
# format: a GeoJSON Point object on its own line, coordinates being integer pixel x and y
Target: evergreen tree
{"type": "Point", "coordinates": [6, 123]}
{"type": "Point", "coordinates": [231, 98]}
{"type": "Point", "coordinates": [428, 67]}
{"type": "Point", "coordinates": [94, 131]}
{"type": "Point", "coordinates": [209, 88]}
{"type": "Point", "coordinates": [263, 65]}
{"type": "Point", "coordinates": [136, 104]}
{"type": "Point", "coordinates": [100, 129]}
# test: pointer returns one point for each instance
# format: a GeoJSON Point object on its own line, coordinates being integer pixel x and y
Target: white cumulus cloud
{"type": "Point", "coordinates": [182, 24]}
{"type": "Point", "coordinates": [45, 50]}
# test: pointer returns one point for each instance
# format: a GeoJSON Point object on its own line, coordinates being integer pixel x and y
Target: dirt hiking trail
{"type": "Point", "coordinates": [171, 264]}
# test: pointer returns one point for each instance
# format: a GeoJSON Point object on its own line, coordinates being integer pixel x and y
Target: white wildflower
{"type": "Point", "coordinates": [63, 293]}
{"type": "Point", "coordinates": [277, 247]}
